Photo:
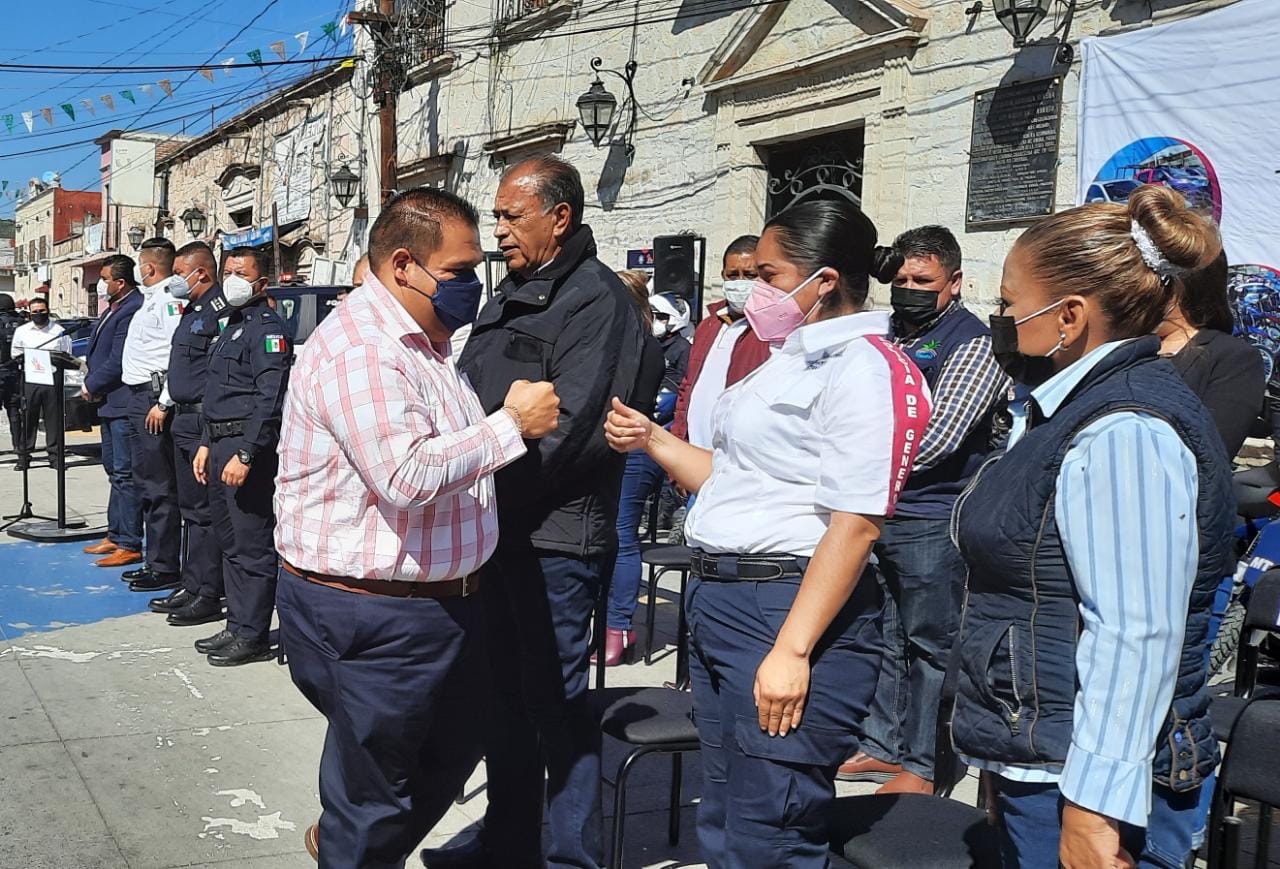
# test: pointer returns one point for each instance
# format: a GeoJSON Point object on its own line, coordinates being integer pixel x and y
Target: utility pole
{"type": "Point", "coordinates": [386, 88]}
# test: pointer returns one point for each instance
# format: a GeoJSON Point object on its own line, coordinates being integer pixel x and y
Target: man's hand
{"type": "Point", "coordinates": [155, 420]}
{"type": "Point", "coordinates": [1090, 841]}
{"type": "Point", "coordinates": [627, 429]}
{"type": "Point", "coordinates": [536, 405]}
{"type": "Point", "coordinates": [781, 688]}
{"type": "Point", "coordinates": [84, 394]}
{"type": "Point", "coordinates": [200, 466]}
{"type": "Point", "coordinates": [235, 472]}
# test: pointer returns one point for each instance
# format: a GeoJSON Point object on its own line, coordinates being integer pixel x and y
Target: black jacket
{"type": "Point", "coordinates": [1227, 374]}
{"type": "Point", "coordinates": [574, 324]}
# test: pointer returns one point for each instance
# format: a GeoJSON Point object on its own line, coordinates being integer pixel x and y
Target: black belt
{"type": "Point", "coordinates": [753, 568]}
{"type": "Point", "coordinates": [138, 387]}
{"type": "Point", "coordinates": [227, 429]}
{"type": "Point", "coordinates": [195, 407]}
{"type": "Point", "coordinates": [463, 586]}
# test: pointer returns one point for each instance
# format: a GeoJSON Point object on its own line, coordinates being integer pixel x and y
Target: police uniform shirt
{"type": "Point", "coordinates": [150, 336]}
{"type": "Point", "coordinates": [830, 423]}
{"type": "Point", "coordinates": [248, 373]}
{"type": "Point", "coordinates": [189, 356]}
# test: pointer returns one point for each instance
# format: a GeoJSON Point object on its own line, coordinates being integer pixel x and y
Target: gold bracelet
{"type": "Point", "coordinates": [515, 415]}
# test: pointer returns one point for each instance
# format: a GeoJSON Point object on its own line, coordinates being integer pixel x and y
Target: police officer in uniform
{"type": "Point", "coordinates": [10, 382]}
{"type": "Point", "coordinates": [199, 599]}
{"type": "Point", "coordinates": [248, 372]}
{"type": "Point", "coordinates": [144, 368]}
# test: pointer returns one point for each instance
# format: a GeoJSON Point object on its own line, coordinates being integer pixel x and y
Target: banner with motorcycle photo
{"type": "Point", "coordinates": [1195, 105]}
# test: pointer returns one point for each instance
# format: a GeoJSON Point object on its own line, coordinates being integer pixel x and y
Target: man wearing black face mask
{"type": "Point", "coordinates": [40, 399]}
{"type": "Point", "coordinates": [921, 570]}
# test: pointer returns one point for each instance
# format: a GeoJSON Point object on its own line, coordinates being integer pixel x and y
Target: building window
{"type": "Point", "coordinates": [822, 167]}
{"type": "Point", "coordinates": [242, 219]}
{"type": "Point", "coordinates": [510, 10]}
{"type": "Point", "coordinates": [426, 32]}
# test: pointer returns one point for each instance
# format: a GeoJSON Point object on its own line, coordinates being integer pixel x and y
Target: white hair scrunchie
{"type": "Point", "coordinates": [1151, 254]}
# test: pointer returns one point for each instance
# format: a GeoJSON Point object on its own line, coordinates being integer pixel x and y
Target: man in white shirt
{"type": "Point", "coordinates": [145, 366]}
{"type": "Point", "coordinates": [39, 399]}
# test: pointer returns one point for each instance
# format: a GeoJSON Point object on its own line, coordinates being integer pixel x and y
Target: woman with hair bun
{"type": "Point", "coordinates": [1094, 545]}
{"type": "Point", "coordinates": [809, 454]}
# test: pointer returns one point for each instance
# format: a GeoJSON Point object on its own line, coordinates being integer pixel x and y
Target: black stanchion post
{"type": "Point", "coordinates": [59, 383]}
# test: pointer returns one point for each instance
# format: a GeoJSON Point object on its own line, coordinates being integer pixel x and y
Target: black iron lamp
{"type": "Point", "coordinates": [1020, 17]}
{"type": "Point", "coordinates": [345, 184]}
{"type": "Point", "coordinates": [597, 106]}
{"type": "Point", "coordinates": [136, 234]}
{"type": "Point", "coordinates": [195, 221]}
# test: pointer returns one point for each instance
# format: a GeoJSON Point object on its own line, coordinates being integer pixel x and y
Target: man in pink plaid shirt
{"type": "Point", "coordinates": [385, 505]}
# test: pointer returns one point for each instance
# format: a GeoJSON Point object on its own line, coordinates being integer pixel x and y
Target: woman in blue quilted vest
{"type": "Point", "coordinates": [1094, 544]}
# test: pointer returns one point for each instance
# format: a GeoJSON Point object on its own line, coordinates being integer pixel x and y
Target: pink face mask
{"type": "Point", "coordinates": [773, 313]}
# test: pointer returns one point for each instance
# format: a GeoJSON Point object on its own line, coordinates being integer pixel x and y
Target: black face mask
{"type": "Point", "coordinates": [40, 319]}
{"type": "Point", "coordinates": [913, 307]}
{"type": "Point", "coordinates": [1029, 370]}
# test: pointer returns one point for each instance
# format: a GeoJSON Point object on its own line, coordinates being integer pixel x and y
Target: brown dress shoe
{"type": "Point", "coordinates": [311, 839]}
{"type": "Point", "coordinates": [906, 783]}
{"type": "Point", "coordinates": [864, 767]}
{"type": "Point", "coordinates": [106, 547]}
{"type": "Point", "coordinates": [120, 558]}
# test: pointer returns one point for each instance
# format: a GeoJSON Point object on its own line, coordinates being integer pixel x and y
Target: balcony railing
{"type": "Point", "coordinates": [512, 10]}
{"type": "Point", "coordinates": [426, 33]}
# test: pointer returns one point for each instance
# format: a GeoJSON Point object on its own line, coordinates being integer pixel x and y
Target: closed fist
{"type": "Point", "coordinates": [536, 406]}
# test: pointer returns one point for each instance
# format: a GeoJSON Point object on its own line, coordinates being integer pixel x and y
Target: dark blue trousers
{"type": "Point", "coordinates": [202, 571]}
{"type": "Point", "coordinates": [642, 478]}
{"type": "Point", "coordinates": [124, 510]}
{"type": "Point", "coordinates": [922, 575]}
{"type": "Point", "coordinates": [155, 479]}
{"type": "Point", "coordinates": [765, 799]}
{"type": "Point", "coordinates": [400, 682]}
{"type": "Point", "coordinates": [245, 521]}
{"type": "Point", "coordinates": [1031, 826]}
{"type": "Point", "coordinates": [537, 609]}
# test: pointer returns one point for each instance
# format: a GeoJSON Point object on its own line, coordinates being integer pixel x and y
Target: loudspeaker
{"type": "Point", "coordinates": [673, 266]}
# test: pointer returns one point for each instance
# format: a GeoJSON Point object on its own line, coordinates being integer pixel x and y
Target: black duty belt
{"type": "Point", "coordinates": [139, 387]}
{"type": "Point", "coordinates": [752, 568]}
{"type": "Point", "coordinates": [195, 407]}
{"type": "Point", "coordinates": [227, 429]}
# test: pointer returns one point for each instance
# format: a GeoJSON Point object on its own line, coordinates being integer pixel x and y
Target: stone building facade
{"type": "Point", "coordinates": [280, 152]}
{"type": "Point", "coordinates": [49, 217]}
{"type": "Point", "coordinates": [741, 109]}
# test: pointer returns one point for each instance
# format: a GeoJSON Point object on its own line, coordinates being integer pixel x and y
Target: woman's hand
{"type": "Point", "coordinates": [1090, 841]}
{"type": "Point", "coordinates": [781, 688]}
{"type": "Point", "coordinates": [627, 429]}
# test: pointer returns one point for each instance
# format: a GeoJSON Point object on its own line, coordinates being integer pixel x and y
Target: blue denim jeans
{"type": "Point", "coordinates": [124, 508]}
{"type": "Point", "coordinates": [1031, 825]}
{"type": "Point", "coordinates": [641, 479]}
{"type": "Point", "coordinates": [923, 579]}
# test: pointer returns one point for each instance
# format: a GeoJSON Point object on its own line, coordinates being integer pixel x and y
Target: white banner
{"type": "Point", "coordinates": [38, 367]}
{"type": "Point", "coordinates": [295, 162]}
{"type": "Point", "coordinates": [1195, 105]}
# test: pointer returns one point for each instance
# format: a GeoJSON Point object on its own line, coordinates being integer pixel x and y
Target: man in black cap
{"type": "Point", "coordinates": [10, 382]}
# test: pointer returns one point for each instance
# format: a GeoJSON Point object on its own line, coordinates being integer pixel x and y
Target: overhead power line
{"type": "Point", "coordinates": [58, 69]}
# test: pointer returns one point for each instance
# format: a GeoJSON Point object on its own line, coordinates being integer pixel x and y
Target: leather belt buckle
{"type": "Point", "coordinates": [470, 584]}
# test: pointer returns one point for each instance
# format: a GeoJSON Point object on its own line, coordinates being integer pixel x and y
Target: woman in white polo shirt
{"type": "Point", "coordinates": [809, 454]}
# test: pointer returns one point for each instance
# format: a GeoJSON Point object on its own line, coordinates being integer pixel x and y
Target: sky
{"type": "Point", "coordinates": [119, 34]}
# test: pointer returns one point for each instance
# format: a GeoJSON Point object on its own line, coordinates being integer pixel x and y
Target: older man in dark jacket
{"type": "Point", "coordinates": [562, 316]}
{"type": "Point", "coordinates": [104, 383]}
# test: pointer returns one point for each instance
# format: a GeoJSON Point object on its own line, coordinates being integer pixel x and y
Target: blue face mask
{"type": "Point", "coordinates": [457, 299]}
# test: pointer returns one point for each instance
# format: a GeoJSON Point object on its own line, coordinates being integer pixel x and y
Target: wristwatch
{"type": "Point", "coordinates": [245, 457]}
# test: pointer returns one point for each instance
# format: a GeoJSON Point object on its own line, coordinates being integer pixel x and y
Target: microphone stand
{"type": "Point", "coordinates": [26, 512]}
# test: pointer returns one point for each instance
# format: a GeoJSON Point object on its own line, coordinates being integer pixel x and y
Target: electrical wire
{"type": "Point", "coordinates": [36, 69]}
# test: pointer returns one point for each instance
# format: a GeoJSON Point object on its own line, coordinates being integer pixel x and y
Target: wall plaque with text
{"type": "Point", "coordinates": [1013, 153]}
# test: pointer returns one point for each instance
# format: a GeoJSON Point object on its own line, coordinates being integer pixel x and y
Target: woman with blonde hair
{"type": "Point", "coordinates": [1094, 546]}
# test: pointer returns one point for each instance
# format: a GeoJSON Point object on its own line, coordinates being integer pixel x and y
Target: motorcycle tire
{"type": "Point", "coordinates": [1228, 639]}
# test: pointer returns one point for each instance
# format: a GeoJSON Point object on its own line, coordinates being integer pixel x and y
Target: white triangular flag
{"type": "Point", "coordinates": [302, 40]}
{"type": "Point", "coordinates": [146, 89]}
{"type": "Point", "coordinates": [226, 65]}
{"type": "Point", "coordinates": [29, 119]}
{"type": "Point", "coordinates": [346, 26]}
{"type": "Point", "coordinates": [88, 107]}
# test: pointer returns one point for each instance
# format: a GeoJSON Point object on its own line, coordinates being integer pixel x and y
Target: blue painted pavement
{"type": "Point", "coordinates": [46, 586]}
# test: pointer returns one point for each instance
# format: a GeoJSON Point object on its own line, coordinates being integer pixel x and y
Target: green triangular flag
{"type": "Point", "coordinates": [128, 95]}
{"type": "Point", "coordinates": [8, 122]}
{"type": "Point", "coordinates": [70, 110]}
{"type": "Point", "coordinates": [256, 56]}
{"type": "Point", "coordinates": [330, 29]}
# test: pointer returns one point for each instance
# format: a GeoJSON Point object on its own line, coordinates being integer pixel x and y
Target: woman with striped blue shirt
{"type": "Point", "coordinates": [1094, 544]}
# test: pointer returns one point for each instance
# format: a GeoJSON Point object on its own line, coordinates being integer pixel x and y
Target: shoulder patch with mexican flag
{"type": "Point", "coordinates": [174, 309]}
{"type": "Point", "coordinates": [275, 344]}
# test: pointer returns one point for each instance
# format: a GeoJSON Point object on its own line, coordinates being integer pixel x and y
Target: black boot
{"type": "Point", "coordinates": [471, 854]}
{"type": "Point", "coordinates": [241, 651]}
{"type": "Point", "coordinates": [174, 601]}
{"type": "Point", "coordinates": [155, 582]}
{"type": "Point", "coordinates": [136, 574]}
{"type": "Point", "coordinates": [220, 640]}
{"type": "Point", "coordinates": [198, 611]}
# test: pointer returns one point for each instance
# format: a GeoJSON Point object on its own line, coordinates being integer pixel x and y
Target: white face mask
{"type": "Point", "coordinates": [102, 287]}
{"type": "Point", "coordinates": [236, 290]}
{"type": "Point", "coordinates": [176, 286]}
{"type": "Point", "coordinates": [661, 328]}
{"type": "Point", "coordinates": [736, 294]}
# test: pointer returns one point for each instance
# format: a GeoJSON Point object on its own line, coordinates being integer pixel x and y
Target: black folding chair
{"type": "Point", "coordinates": [1250, 771]}
{"type": "Point", "coordinates": [1260, 619]}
